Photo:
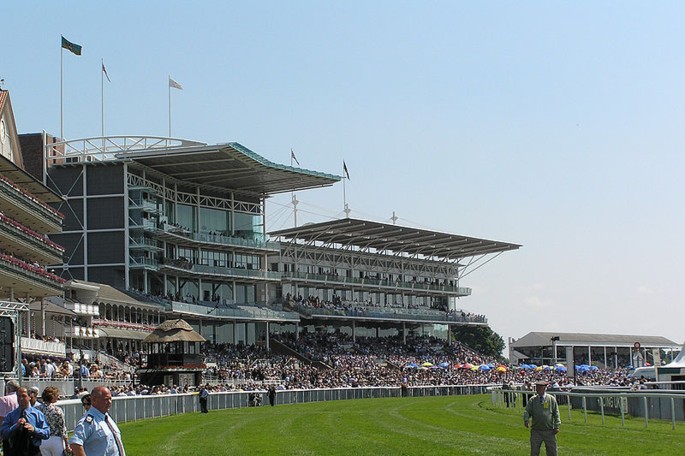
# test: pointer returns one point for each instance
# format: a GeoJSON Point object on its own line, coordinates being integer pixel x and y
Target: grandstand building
{"type": "Point", "coordinates": [143, 229]}
{"type": "Point", "coordinates": [373, 279]}
{"type": "Point", "coordinates": [181, 226]}
{"type": "Point", "coordinates": [601, 350]}
{"type": "Point", "coordinates": [175, 223]}
{"type": "Point", "coordinates": [26, 218]}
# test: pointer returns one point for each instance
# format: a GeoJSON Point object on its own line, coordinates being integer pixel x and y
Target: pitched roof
{"type": "Point", "coordinates": [15, 171]}
{"type": "Point", "coordinates": [544, 339]}
{"type": "Point", "coordinates": [175, 330]}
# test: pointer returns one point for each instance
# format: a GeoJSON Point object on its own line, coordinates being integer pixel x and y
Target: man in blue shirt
{"type": "Point", "coordinates": [24, 427]}
{"type": "Point", "coordinates": [97, 433]}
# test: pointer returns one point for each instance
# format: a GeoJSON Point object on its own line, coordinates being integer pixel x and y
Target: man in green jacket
{"type": "Point", "coordinates": [544, 412]}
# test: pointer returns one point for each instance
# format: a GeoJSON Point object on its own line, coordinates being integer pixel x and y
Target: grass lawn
{"type": "Point", "coordinates": [457, 425]}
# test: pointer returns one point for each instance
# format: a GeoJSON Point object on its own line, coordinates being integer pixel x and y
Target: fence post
{"type": "Point", "coordinates": [646, 411]}
{"type": "Point", "coordinates": [601, 407]}
{"type": "Point", "coordinates": [623, 412]}
{"type": "Point", "coordinates": [585, 409]}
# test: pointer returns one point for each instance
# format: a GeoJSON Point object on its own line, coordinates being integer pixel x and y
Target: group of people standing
{"type": "Point", "coordinates": [30, 428]}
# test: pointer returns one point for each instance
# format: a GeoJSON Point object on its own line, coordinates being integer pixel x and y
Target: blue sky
{"type": "Point", "coordinates": [556, 125]}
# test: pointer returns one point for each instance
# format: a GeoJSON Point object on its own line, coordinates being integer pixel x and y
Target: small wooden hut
{"type": "Point", "coordinates": [173, 355]}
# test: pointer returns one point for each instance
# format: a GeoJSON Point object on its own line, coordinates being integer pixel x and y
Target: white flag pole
{"type": "Point", "coordinates": [344, 193]}
{"type": "Point", "coordinates": [292, 194]}
{"type": "Point", "coordinates": [102, 98]}
{"type": "Point", "coordinates": [169, 84]}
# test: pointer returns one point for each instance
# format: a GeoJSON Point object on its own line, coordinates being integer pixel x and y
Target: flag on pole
{"type": "Point", "coordinates": [104, 70]}
{"type": "Point", "coordinates": [347, 173]}
{"type": "Point", "coordinates": [292, 156]}
{"type": "Point", "coordinates": [72, 47]}
{"type": "Point", "coordinates": [175, 85]}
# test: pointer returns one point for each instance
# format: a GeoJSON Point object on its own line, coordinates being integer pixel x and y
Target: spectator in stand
{"type": "Point", "coordinates": [49, 369]}
{"type": "Point", "coordinates": [66, 370]}
{"type": "Point", "coordinates": [85, 372]}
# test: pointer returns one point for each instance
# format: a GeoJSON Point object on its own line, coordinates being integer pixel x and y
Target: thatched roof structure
{"type": "Point", "coordinates": [174, 331]}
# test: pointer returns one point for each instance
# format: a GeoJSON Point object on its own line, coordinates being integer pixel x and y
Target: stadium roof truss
{"type": "Point", "coordinates": [230, 166]}
{"type": "Point", "coordinates": [363, 241]}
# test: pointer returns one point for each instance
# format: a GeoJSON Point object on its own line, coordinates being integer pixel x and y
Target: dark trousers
{"type": "Point", "coordinates": [203, 405]}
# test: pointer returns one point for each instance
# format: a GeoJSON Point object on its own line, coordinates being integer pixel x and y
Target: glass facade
{"type": "Point", "coordinates": [248, 226]}
{"type": "Point", "coordinates": [214, 221]}
{"type": "Point", "coordinates": [214, 258]}
{"type": "Point", "coordinates": [185, 216]}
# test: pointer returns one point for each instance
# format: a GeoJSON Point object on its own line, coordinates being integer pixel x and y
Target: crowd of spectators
{"type": "Point", "coordinates": [368, 307]}
{"type": "Point", "coordinates": [422, 361]}
{"type": "Point", "coordinates": [54, 368]}
{"type": "Point", "coordinates": [329, 360]}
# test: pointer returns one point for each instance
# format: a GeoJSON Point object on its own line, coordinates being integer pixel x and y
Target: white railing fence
{"type": "Point", "coordinates": [666, 405]}
{"type": "Point", "coordinates": [133, 408]}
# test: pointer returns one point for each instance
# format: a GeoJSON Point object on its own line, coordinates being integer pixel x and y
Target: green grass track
{"type": "Point", "coordinates": [457, 425]}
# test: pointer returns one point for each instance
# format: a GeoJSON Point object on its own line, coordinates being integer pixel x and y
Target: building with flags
{"type": "Point", "coordinates": [183, 224]}
{"type": "Point", "coordinates": [157, 228]}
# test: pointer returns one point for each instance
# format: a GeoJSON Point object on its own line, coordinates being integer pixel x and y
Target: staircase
{"type": "Point", "coordinates": [280, 348]}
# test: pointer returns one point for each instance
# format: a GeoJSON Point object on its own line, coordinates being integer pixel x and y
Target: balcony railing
{"type": "Point", "coordinates": [36, 240]}
{"type": "Point", "coordinates": [32, 271]}
{"type": "Point", "coordinates": [185, 236]}
{"type": "Point", "coordinates": [144, 224]}
{"type": "Point", "coordinates": [188, 267]}
{"type": "Point", "coordinates": [143, 244]}
{"type": "Point", "coordinates": [143, 263]}
{"type": "Point", "coordinates": [42, 347]}
{"type": "Point", "coordinates": [25, 198]}
{"type": "Point", "coordinates": [108, 148]}
{"type": "Point", "coordinates": [81, 308]}
{"type": "Point", "coordinates": [369, 282]}
{"type": "Point", "coordinates": [36, 214]}
{"type": "Point", "coordinates": [391, 313]}
{"type": "Point", "coordinates": [241, 312]}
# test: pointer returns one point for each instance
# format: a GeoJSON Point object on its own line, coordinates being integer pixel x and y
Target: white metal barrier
{"type": "Point", "coordinates": [133, 408]}
{"type": "Point", "coordinates": [654, 404]}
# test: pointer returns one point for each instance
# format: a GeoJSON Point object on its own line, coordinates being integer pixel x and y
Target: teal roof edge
{"type": "Point", "coordinates": [264, 162]}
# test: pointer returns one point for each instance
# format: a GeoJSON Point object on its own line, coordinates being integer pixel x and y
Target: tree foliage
{"type": "Point", "coordinates": [480, 338]}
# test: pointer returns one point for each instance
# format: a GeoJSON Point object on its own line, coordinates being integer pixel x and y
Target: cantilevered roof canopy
{"type": "Point", "coordinates": [394, 239]}
{"type": "Point", "coordinates": [27, 182]}
{"type": "Point", "coordinates": [231, 166]}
